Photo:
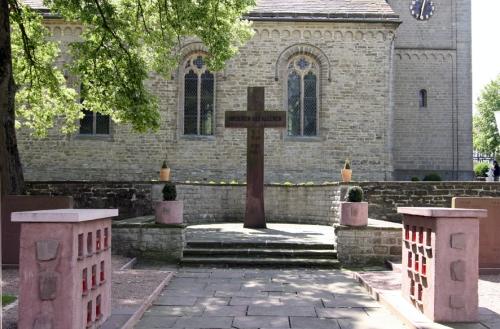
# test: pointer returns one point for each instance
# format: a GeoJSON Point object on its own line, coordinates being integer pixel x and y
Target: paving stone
{"type": "Point", "coordinates": [155, 322]}
{"type": "Point", "coordinates": [221, 310]}
{"type": "Point", "coordinates": [268, 301]}
{"type": "Point", "coordinates": [261, 321]}
{"type": "Point", "coordinates": [281, 310]}
{"type": "Point", "coordinates": [240, 294]}
{"type": "Point", "coordinates": [338, 313]}
{"type": "Point", "coordinates": [175, 301]}
{"type": "Point", "coordinates": [192, 275]}
{"type": "Point", "coordinates": [315, 294]}
{"type": "Point", "coordinates": [115, 321]}
{"type": "Point", "coordinates": [218, 322]}
{"type": "Point", "coordinates": [228, 274]}
{"type": "Point", "coordinates": [204, 301]}
{"type": "Point", "coordinates": [301, 301]}
{"type": "Point", "coordinates": [306, 322]}
{"type": "Point", "coordinates": [175, 310]}
{"type": "Point", "coordinates": [189, 293]}
{"type": "Point", "coordinates": [341, 301]}
{"type": "Point", "coordinates": [178, 285]}
{"type": "Point", "coordinates": [224, 286]}
{"type": "Point", "coordinates": [365, 324]}
{"type": "Point", "coordinates": [249, 286]}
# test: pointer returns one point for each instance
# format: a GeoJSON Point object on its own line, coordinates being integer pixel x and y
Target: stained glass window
{"type": "Point", "coordinates": [93, 123]}
{"type": "Point", "coordinates": [199, 87]}
{"type": "Point", "coordinates": [302, 96]}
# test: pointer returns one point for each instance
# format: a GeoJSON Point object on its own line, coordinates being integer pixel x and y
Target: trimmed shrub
{"type": "Point", "coordinates": [415, 179]}
{"type": "Point", "coordinates": [347, 164]}
{"type": "Point", "coordinates": [164, 165]}
{"type": "Point", "coordinates": [432, 177]}
{"type": "Point", "coordinates": [481, 169]}
{"type": "Point", "coordinates": [169, 192]}
{"type": "Point", "coordinates": [354, 194]}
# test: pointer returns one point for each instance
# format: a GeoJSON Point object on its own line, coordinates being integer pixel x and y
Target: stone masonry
{"type": "Point", "coordinates": [370, 74]}
{"type": "Point", "coordinates": [208, 203]}
{"type": "Point", "coordinates": [371, 245]}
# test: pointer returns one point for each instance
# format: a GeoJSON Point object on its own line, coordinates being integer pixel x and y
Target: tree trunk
{"type": "Point", "coordinates": [12, 179]}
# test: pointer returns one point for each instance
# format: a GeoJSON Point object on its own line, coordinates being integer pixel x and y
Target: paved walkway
{"type": "Point", "coordinates": [235, 232]}
{"type": "Point", "coordinates": [266, 298]}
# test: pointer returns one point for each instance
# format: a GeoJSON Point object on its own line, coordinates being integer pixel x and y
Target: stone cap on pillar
{"type": "Point", "coordinates": [443, 212]}
{"type": "Point", "coordinates": [62, 215]}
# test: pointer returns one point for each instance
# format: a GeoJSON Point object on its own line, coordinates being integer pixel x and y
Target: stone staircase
{"type": "Point", "coordinates": [260, 253]}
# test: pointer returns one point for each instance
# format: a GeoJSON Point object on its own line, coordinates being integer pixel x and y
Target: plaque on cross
{"type": "Point", "coordinates": [255, 119]}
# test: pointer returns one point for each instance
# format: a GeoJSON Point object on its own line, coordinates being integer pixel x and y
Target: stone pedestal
{"type": "Point", "coordinates": [65, 268]}
{"type": "Point", "coordinates": [440, 262]}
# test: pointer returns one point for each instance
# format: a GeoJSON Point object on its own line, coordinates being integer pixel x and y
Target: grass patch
{"type": "Point", "coordinates": [7, 299]}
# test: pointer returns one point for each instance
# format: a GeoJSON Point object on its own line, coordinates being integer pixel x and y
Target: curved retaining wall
{"type": "Point", "coordinates": [206, 203]}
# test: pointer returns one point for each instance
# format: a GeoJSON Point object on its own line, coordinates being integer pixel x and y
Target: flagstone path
{"type": "Point", "coordinates": [266, 298]}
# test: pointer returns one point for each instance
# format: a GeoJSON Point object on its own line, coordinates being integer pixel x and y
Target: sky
{"type": "Point", "coordinates": [485, 43]}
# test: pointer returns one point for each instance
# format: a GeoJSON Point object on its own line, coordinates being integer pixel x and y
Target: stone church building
{"type": "Point", "coordinates": [386, 84]}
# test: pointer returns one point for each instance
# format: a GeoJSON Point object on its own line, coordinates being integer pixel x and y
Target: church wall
{"type": "Point", "coordinates": [434, 55]}
{"type": "Point", "coordinates": [354, 108]}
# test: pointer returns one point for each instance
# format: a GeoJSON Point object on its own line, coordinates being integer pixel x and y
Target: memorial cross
{"type": "Point", "coordinates": [255, 119]}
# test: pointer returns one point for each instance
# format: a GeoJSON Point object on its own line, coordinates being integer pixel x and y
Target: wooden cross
{"type": "Point", "coordinates": [255, 119]}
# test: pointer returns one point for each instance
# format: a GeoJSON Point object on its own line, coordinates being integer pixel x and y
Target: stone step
{"type": "Point", "coordinates": [251, 261]}
{"type": "Point", "coordinates": [258, 245]}
{"type": "Point", "coordinates": [261, 253]}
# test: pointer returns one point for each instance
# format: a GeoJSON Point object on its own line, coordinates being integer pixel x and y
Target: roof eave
{"type": "Point", "coordinates": [317, 17]}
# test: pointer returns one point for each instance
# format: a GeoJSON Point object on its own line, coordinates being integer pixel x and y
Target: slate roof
{"type": "Point", "coordinates": [320, 10]}
{"type": "Point", "coordinates": [307, 10]}
{"type": "Point", "coordinates": [35, 4]}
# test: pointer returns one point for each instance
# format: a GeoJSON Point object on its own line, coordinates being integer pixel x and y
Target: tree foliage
{"type": "Point", "coordinates": [485, 131]}
{"type": "Point", "coordinates": [122, 43]}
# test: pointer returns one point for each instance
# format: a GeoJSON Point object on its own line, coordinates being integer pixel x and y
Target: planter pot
{"type": "Point", "coordinates": [169, 212]}
{"type": "Point", "coordinates": [346, 175]}
{"type": "Point", "coordinates": [354, 213]}
{"type": "Point", "coordinates": [164, 174]}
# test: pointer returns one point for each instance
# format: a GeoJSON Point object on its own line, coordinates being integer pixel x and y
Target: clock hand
{"type": "Point", "coordinates": [422, 10]}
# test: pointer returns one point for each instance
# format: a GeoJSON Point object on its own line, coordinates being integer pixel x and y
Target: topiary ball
{"type": "Point", "coordinates": [354, 194]}
{"type": "Point", "coordinates": [169, 192]}
{"type": "Point", "coordinates": [432, 177]}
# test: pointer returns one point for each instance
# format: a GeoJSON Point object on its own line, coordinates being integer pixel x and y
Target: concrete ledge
{"type": "Point", "coordinates": [142, 237]}
{"type": "Point", "coordinates": [369, 245]}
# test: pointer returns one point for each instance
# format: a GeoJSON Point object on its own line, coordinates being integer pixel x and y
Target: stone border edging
{"type": "Point", "coordinates": [398, 306]}
{"type": "Point", "coordinates": [134, 319]}
{"type": "Point", "coordinates": [129, 265]}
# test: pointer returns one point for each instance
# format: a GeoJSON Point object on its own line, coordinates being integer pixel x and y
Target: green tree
{"type": "Point", "coordinates": [123, 41]}
{"type": "Point", "coordinates": [485, 131]}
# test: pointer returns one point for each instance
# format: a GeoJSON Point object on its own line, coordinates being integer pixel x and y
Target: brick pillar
{"type": "Point", "coordinates": [65, 268]}
{"type": "Point", "coordinates": [440, 262]}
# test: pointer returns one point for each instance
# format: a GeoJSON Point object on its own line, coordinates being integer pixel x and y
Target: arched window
{"type": "Point", "coordinates": [93, 123]}
{"type": "Point", "coordinates": [199, 87]}
{"type": "Point", "coordinates": [302, 96]}
{"type": "Point", "coordinates": [423, 98]}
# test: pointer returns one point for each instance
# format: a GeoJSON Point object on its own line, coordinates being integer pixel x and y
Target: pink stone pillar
{"type": "Point", "coordinates": [440, 262]}
{"type": "Point", "coordinates": [65, 268]}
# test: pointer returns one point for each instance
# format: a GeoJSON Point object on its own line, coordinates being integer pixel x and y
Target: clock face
{"type": "Point", "coordinates": [422, 9]}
